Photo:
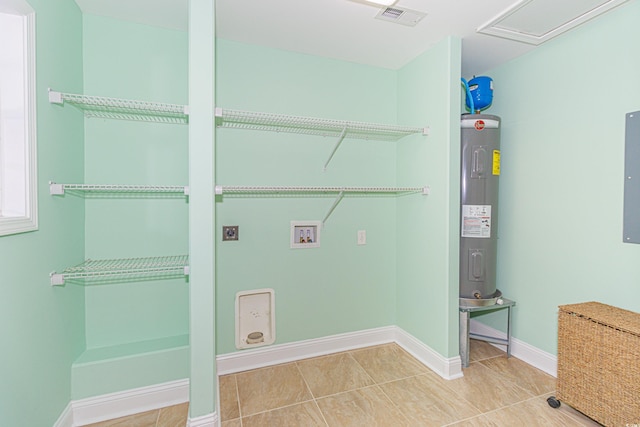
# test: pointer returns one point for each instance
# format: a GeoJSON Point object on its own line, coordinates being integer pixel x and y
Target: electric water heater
{"type": "Point", "coordinates": [480, 171]}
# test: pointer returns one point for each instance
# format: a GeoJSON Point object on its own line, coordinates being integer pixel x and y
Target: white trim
{"type": "Point", "coordinates": [495, 28]}
{"type": "Point", "coordinates": [66, 418]}
{"type": "Point", "coordinates": [267, 356]}
{"type": "Point", "coordinates": [447, 368]}
{"type": "Point", "coordinates": [114, 405]}
{"type": "Point", "coordinates": [129, 402]}
{"type": "Point", "coordinates": [209, 420]}
{"type": "Point", "coordinates": [28, 222]}
{"type": "Point", "coordinates": [535, 357]}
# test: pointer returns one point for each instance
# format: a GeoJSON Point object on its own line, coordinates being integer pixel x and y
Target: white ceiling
{"type": "Point", "coordinates": [343, 29]}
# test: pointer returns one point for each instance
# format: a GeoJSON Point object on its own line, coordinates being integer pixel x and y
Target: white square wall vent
{"type": "Point", "coordinates": [401, 15]}
{"type": "Point", "coordinates": [536, 21]}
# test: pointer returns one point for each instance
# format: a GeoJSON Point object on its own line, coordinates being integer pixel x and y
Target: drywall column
{"type": "Point", "coordinates": [428, 228]}
{"type": "Point", "coordinates": [201, 212]}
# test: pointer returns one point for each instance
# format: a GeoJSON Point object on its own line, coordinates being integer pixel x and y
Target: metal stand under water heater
{"type": "Point", "coordinates": [480, 171]}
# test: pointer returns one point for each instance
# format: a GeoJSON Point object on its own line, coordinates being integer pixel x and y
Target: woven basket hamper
{"type": "Point", "coordinates": [599, 362]}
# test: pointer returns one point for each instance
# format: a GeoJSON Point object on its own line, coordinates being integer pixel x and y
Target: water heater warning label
{"type": "Point", "coordinates": [476, 221]}
{"type": "Point", "coordinates": [496, 162]}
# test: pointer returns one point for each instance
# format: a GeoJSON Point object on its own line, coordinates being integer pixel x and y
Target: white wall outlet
{"type": "Point", "coordinates": [362, 237]}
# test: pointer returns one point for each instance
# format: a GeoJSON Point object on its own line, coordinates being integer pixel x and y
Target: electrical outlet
{"type": "Point", "coordinates": [230, 232]}
{"type": "Point", "coordinates": [362, 237]}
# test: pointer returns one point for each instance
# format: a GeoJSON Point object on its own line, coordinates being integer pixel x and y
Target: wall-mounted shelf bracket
{"type": "Point", "coordinates": [59, 189]}
{"type": "Point", "coordinates": [335, 147]}
{"type": "Point", "coordinates": [333, 206]}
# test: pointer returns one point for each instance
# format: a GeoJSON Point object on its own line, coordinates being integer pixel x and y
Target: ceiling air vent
{"type": "Point", "coordinates": [401, 16]}
{"type": "Point", "coordinates": [536, 21]}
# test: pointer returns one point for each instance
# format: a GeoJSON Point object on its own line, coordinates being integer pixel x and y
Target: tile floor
{"type": "Point", "coordinates": [383, 386]}
{"type": "Point", "coordinates": [171, 416]}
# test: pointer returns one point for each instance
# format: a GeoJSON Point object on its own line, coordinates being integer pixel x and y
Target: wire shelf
{"type": "Point", "coordinates": [58, 189]}
{"type": "Point", "coordinates": [220, 189]}
{"type": "Point", "coordinates": [124, 268]}
{"type": "Point", "coordinates": [338, 191]}
{"type": "Point", "coordinates": [227, 118]}
{"type": "Point", "coordinates": [123, 109]}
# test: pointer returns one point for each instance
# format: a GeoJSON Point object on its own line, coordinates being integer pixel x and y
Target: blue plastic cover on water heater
{"type": "Point", "coordinates": [481, 89]}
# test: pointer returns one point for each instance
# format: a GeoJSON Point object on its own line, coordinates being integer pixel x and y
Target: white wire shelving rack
{"type": "Point", "coordinates": [123, 109]}
{"type": "Point", "coordinates": [339, 191]}
{"type": "Point", "coordinates": [59, 189]}
{"type": "Point", "coordinates": [128, 268]}
{"type": "Point", "coordinates": [341, 129]}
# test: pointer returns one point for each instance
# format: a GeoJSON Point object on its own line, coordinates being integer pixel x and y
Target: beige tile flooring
{"type": "Point", "coordinates": [171, 416]}
{"type": "Point", "coordinates": [384, 386]}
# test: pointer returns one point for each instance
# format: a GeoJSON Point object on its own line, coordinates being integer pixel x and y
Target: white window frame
{"type": "Point", "coordinates": [29, 221]}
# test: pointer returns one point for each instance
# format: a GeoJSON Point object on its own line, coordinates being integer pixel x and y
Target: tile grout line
{"type": "Point", "coordinates": [467, 401]}
{"type": "Point", "coordinates": [349, 353]}
{"type": "Point", "coordinates": [278, 408]}
{"type": "Point", "coordinates": [391, 400]}
{"type": "Point", "coordinates": [235, 380]}
{"type": "Point", "coordinates": [495, 371]}
{"type": "Point", "coordinates": [313, 396]}
{"type": "Point", "coordinates": [157, 417]}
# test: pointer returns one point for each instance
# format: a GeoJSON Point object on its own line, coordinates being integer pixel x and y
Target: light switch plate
{"type": "Point", "coordinates": [362, 237]}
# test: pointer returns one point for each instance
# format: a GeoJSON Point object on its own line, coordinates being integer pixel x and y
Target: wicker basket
{"type": "Point", "coordinates": [599, 362]}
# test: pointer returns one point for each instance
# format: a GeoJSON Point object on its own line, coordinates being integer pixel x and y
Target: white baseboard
{"type": "Point", "coordinates": [535, 357]}
{"type": "Point", "coordinates": [66, 418]}
{"type": "Point", "coordinates": [283, 353]}
{"type": "Point", "coordinates": [447, 368]}
{"type": "Point", "coordinates": [209, 420]}
{"type": "Point", "coordinates": [120, 404]}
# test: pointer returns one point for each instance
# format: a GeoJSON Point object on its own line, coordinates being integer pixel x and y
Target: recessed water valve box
{"type": "Point", "coordinates": [305, 234]}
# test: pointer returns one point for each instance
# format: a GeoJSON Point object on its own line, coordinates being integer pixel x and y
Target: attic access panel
{"type": "Point", "coordinates": [536, 21]}
{"type": "Point", "coordinates": [631, 216]}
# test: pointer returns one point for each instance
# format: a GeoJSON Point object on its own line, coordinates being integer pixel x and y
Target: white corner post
{"type": "Point", "coordinates": [203, 378]}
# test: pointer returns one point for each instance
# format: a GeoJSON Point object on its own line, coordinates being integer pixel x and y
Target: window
{"type": "Point", "coordinates": [18, 184]}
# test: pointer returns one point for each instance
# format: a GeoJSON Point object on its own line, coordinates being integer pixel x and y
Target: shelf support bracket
{"type": "Point", "coordinates": [335, 148]}
{"type": "Point", "coordinates": [55, 97]}
{"type": "Point", "coordinates": [332, 208]}
{"type": "Point", "coordinates": [56, 189]}
{"type": "Point", "coordinates": [57, 279]}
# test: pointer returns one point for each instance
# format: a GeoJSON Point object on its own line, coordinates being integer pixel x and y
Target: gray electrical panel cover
{"type": "Point", "coordinates": [631, 218]}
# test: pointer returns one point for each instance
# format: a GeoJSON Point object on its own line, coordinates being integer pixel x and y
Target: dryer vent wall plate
{"type": "Point", "coordinates": [255, 318]}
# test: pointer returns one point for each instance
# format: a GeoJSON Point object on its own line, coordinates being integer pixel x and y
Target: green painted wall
{"type": "Point", "coordinates": [427, 226]}
{"type": "Point", "coordinates": [42, 326]}
{"type": "Point", "coordinates": [145, 63]}
{"type": "Point", "coordinates": [563, 108]}
{"type": "Point", "coordinates": [406, 273]}
{"type": "Point", "coordinates": [339, 287]}
{"type": "Point", "coordinates": [134, 61]}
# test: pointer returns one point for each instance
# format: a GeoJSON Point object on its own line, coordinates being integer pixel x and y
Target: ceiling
{"type": "Point", "coordinates": [347, 29]}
